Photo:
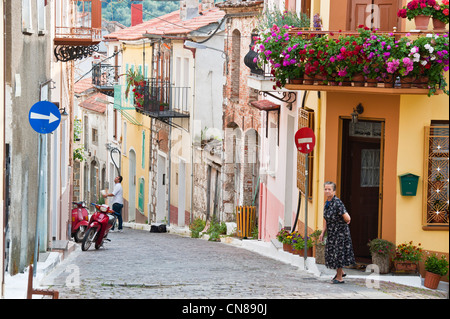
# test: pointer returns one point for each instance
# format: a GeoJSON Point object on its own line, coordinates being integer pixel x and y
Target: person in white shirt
{"type": "Point", "coordinates": [117, 202]}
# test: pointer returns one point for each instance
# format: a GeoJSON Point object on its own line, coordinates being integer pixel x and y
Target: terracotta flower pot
{"type": "Point", "coordinates": [406, 82]}
{"type": "Point", "coordinates": [421, 82]}
{"type": "Point", "coordinates": [422, 22]}
{"type": "Point", "coordinates": [438, 24]}
{"type": "Point", "coordinates": [308, 80]}
{"type": "Point", "coordinates": [389, 81]}
{"type": "Point", "coordinates": [296, 81]}
{"type": "Point", "coordinates": [431, 280]}
{"type": "Point", "coordinates": [320, 79]}
{"type": "Point", "coordinates": [358, 80]}
{"type": "Point", "coordinates": [287, 247]}
{"type": "Point", "coordinates": [405, 266]}
{"type": "Point", "coordinates": [372, 82]}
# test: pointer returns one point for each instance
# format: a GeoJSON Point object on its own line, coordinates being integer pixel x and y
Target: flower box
{"type": "Point", "coordinates": [407, 267]}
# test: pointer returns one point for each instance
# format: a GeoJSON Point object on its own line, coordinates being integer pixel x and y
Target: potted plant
{"type": "Point", "coordinates": [281, 236]}
{"type": "Point", "coordinates": [432, 56]}
{"type": "Point", "coordinates": [440, 15]}
{"type": "Point", "coordinates": [371, 52]}
{"type": "Point", "coordinates": [298, 244]}
{"type": "Point", "coordinates": [435, 268]}
{"type": "Point", "coordinates": [381, 251]}
{"type": "Point", "coordinates": [319, 247]}
{"type": "Point", "coordinates": [407, 257]}
{"type": "Point", "coordinates": [420, 11]}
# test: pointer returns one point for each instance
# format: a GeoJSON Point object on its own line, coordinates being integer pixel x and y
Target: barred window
{"type": "Point", "coordinates": [305, 119]}
{"type": "Point", "coordinates": [436, 190]}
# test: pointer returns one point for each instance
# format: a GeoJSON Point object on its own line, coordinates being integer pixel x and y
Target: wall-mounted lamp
{"type": "Point", "coordinates": [357, 111]}
{"type": "Point", "coordinates": [64, 114]}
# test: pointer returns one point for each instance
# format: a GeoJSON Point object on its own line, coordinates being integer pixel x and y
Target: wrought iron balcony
{"type": "Point", "coordinates": [159, 99]}
{"type": "Point", "coordinates": [105, 77]}
{"type": "Point", "coordinates": [78, 25]}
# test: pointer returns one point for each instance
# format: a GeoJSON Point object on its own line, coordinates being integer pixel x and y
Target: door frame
{"type": "Point", "coordinates": [339, 163]}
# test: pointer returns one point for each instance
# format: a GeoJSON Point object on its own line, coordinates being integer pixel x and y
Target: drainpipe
{"type": "Point", "coordinates": [317, 157]}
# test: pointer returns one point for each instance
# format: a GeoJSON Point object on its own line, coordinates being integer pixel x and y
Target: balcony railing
{"type": "Point", "coordinates": [105, 76]}
{"type": "Point", "coordinates": [159, 99]}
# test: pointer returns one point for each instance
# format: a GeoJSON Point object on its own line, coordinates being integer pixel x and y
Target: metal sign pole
{"type": "Point", "coordinates": [306, 208]}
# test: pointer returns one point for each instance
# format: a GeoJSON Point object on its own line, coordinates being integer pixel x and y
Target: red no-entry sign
{"type": "Point", "coordinates": [305, 140]}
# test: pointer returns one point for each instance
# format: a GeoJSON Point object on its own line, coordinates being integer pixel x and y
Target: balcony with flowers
{"type": "Point", "coordinates": [363, 61]}
{"type": "Point", "coordinates": [157, 98]}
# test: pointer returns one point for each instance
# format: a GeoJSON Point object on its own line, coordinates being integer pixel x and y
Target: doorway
{"type": "Point", "coordinates": [132, 186]}
{"type": "Point", "coordinates": [361, 187]}
{"type": "Point", "coordinates": [161, 189]}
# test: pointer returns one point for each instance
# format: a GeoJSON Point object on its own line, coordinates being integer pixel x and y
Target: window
{"type": "Point", "coordinates": [40, 4]}
{"type": "Point", "coordinates": [94, 136]}
{"type": "Point", "coordinates": [27, 26]}
{"type": "Point", "coordinates": [370, 168]}
{"type": "Point", "coordinates": [436, 190]}
{"type": "Point", "coordinates": [235, 65]}
{"type": "Point", "coordinates": [305, 119]}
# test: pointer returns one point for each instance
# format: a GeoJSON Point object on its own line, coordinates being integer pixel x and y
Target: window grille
{"type": "Point", "coordinates": [436, 191]}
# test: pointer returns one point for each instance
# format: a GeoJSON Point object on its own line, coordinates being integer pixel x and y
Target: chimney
{"type": "Point", "coordinates": [136, 12]}
{"type": "Point", "coordinates": [207, 4]}
{"type": "Point", "coordinates": [188, 9]}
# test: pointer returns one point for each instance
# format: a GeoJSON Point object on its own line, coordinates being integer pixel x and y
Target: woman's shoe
{"type": "Point", "coordinates": [343, 275]}
{"type": "Point", "coordinates": [335, 281]}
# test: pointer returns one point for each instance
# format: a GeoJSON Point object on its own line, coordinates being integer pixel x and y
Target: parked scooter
{"type": "Point", "coordinates": [99, 225]}
{"type": "Point", "coordinates": [80, 221]}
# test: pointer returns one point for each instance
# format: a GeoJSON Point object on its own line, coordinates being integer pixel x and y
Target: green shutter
{"type": "Point", "coordinates": [141, 195]}
{"type": "Point", "coordinates": [143, 149]}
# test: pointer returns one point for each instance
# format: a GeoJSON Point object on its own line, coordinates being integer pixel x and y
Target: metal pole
{"type": "Point", "coordinates": [36, 239]}
{"type": "Point", "coordinates": [306, 207]}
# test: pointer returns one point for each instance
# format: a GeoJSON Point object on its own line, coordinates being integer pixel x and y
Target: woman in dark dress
{"type": "Point", "coordinates": [339, 248]}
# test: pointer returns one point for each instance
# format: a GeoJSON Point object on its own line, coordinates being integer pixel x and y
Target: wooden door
{"type": "Point", "coordinates": [360, 182]}
{"type": "Point", "coordinates": [374, 14]}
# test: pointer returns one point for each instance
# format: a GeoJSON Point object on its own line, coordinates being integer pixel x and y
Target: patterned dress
{"type": "Point", "coordinates": [339, 248]}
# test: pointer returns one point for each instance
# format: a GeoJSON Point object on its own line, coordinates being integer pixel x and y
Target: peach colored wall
{"type": "Point", "coordinates": [376, 107]}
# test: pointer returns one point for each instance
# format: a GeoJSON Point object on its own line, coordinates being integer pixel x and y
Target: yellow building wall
{"type": "Point", "coordinates": [416, 112]}
{"type": "Point", "coordinates": [136, 124]}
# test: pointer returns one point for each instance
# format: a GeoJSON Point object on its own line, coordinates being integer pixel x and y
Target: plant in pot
{"type": "Point", "coordinates": [407, 257]}
{"type": "Point", "coordinates": [288, 241]}
{"type": "Point", "coordinates": [281, 236]}
{"type": "Point", "coordinates": [298, 243]}
{"type": "Point", "coordinates": [420, 11]}
{"type": "Point", "coordinates": [381, 251]}
{"type": "Point", "coordinates": [432, 56]}
{"type": "Point", "coordinates": [435, 268]}
{"type": "Point", "coordinates": [440, 15]}
{"type": "Point", "coordinates": [319, 247]}
{"type": "Point", "coordinates": [372, 54]}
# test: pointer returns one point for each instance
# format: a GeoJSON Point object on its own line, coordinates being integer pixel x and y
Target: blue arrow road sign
{"type": "Point", "coordinates": [44, 117]}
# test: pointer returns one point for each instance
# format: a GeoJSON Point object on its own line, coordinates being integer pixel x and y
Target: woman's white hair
{"type": "Point", "coordinates": [330, 183]}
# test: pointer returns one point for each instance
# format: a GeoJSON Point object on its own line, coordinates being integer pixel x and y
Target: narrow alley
{"type": "Point", "coordinates": [137, 264]}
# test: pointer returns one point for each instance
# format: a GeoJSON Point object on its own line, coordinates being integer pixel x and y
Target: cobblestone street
{"type": "Point", "coordinates": [138, 264]}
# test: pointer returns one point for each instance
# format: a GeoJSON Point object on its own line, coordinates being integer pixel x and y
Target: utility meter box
{"type": "Point", "coordinates": [408, 184]}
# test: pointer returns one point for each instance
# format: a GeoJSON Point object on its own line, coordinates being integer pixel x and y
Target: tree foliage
{"type": "Point", "coordinates": [120, 10]}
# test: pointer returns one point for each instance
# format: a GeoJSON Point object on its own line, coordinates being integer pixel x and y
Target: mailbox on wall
{"type": "Point", "coordinates": [408, 184]}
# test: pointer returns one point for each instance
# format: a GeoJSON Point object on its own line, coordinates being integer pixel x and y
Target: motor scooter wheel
{"type": "Point", "coordinates": [88, 239]}
{"type": "Point", "coordinates": [79, 235]}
